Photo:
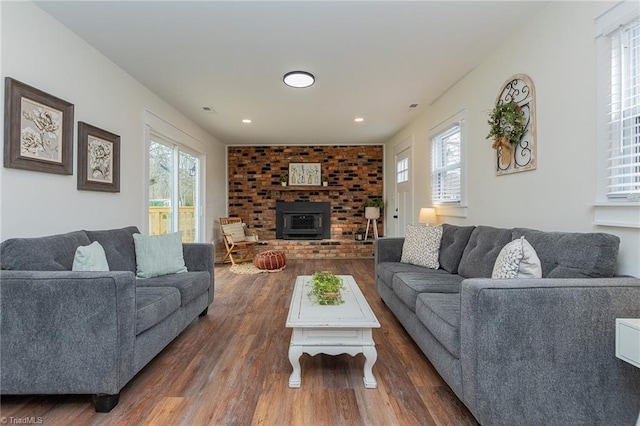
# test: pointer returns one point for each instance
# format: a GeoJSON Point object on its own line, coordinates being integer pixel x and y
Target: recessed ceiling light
{"type": "Point", "coordinates": [299, 79]}
{"type": "Point", "coordinates": [358, 119]}
{"type": "Point", "coordinates": [246, 121]}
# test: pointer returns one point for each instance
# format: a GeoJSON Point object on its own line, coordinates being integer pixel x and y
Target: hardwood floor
{"type": "Point", "coordinates": [231, 368]}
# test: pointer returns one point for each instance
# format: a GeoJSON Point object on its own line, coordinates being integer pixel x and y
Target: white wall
{"type": "Point", "coordinates": [557, 49]}
{"type": "Point", "coordinates": [41, 52]}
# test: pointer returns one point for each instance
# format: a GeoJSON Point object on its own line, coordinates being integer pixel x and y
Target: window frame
{"type": "Point", "coordinates": [456, 208]}
{"type": "Point", "coordinates": [610, 211]}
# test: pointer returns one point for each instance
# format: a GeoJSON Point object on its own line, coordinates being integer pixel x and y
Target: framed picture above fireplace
{"type": "Point", "coordinates": [305, 174]}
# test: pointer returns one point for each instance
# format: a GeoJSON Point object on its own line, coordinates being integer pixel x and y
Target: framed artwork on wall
{"type": "Point", "coordinates": [304, 174]}
{"type": "Point", "coordinates": [38, 133]}
{"type": "Point", "coordinates": [98, 159]}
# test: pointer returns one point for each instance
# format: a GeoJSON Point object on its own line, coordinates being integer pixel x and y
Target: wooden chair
{"type": "Point", "coordinates": [238, 240]}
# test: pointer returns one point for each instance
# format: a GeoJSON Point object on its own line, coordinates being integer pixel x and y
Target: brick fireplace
{"type": "Point", "coordinates": [354, 173]}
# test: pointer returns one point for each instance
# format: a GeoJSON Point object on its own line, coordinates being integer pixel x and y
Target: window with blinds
{"type": "Point", "coordinates": [623, 121]}
{"type": "Point", "coordinates": [446, 166]}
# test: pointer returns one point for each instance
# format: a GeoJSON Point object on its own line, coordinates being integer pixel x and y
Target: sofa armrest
{"type": "Point", "coordinates": [388, 249]}
{"type": "Point", "coordinates": [66, 332]}
{"type": "Point", "coordinates": [199, 257]}
{"type": "Point", "coordinates": [542, 351]}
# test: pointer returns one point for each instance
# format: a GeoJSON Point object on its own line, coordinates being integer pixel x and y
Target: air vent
{"type": "Point", "coordinates": [413, 106]}
{"type": "Point", "coordinates": [209, 109]}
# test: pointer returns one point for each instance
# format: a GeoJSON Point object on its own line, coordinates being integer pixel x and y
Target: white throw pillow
{"type": "Point", "coordinates": [236, 230]}
{"type": "Point", "coordinates": [517, 259]}
{"type": "Point", "coordinates": [422, 246]}
{"type": "Point", "coordinates": [90, 258]}
{"type": "Point", "coordinates": [159, 255]}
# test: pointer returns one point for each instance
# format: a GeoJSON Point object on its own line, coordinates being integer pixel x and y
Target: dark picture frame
{"type": "Point", "coordinates": [38, 130]}
{"type": "Point", "coordinates": [98, 159]}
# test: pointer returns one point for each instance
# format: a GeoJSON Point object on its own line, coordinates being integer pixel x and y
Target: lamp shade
{"type": "Point", "coordinates": [427, 215]}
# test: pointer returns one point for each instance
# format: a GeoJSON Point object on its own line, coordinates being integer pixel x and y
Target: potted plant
{"type": "Point", "coordinates": [326, 288]}
{"type": "Point", "coordinates": [372, 208]}
{"type": "Point", "coordinates": [507, 127]}
{"type": "Point", "coordinates": [325, 181]}
{"type": "Point", "coordinates": [284, 179]}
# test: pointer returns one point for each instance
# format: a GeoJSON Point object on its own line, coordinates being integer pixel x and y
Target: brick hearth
{"type": "Point", "coordinates": [355, 174]}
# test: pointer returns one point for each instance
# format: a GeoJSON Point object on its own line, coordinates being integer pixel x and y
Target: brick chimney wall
{"type": "Point", "coordinates": [354, 173]}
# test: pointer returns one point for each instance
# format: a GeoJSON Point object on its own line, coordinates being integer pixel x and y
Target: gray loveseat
{"type": "Point", "coordinates": [65, 332]}
{"type": "Point", "coordinates": [520, 351]}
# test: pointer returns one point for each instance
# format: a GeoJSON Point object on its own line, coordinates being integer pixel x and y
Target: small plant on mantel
{"type": "Point", "coordinates": [284, 179]}
{"type": "Point", "coordinates": [326, 288]}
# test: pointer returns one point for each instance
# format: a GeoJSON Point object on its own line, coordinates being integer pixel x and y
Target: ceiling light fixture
{"type": "Point", "coordinates": [246, 121]}
{"type": "Point", "coordinates": [299, 79]}
{"type": "Point", "coordinates": [358, 119]}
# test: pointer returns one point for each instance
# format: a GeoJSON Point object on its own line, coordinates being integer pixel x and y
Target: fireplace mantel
{"type": "Point", "coordinates": [301, 188]}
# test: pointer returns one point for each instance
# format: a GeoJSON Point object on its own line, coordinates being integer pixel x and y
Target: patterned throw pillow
{"type": "Point", "coordinates": [422, 246]}
{"type": "Point", "coordinates": [517, 259]}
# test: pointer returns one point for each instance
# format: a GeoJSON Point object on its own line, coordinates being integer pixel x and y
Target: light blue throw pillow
{"type": "Point", "coordinates": [90, 258]}
{"type": "Point", "coordinates": [158, 255]}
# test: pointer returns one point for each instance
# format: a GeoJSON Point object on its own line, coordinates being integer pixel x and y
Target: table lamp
{"type": "Point", "coordinates": [427, 215]}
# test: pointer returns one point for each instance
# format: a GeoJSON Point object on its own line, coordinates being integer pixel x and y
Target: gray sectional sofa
{"type": "Point", "coordinates": [65, 332]}
{"type": "Point", "coordinates": [520, 351]}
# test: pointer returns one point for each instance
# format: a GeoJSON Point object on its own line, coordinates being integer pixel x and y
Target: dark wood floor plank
{"type": "Point", "coordinates": [231, 367]}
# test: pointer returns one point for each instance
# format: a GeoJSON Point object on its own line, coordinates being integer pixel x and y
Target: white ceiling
{"type": "Point", "coordinates": [371, 59]}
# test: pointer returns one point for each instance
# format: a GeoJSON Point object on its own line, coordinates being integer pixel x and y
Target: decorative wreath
{"type": "Point", "coordinates": [507, 127]}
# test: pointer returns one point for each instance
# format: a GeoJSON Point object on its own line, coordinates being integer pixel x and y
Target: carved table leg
{"type": "Point", "coordinates": [370, 357]}
{"type": "Point", "coordinates": [295, 352]}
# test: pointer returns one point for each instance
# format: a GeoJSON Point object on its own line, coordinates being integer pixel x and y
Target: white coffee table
{"type": "Point", "coordinates": [331, 329]}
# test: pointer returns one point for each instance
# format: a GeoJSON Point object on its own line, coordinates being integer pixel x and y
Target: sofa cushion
{"type": "Point", "coordinates": [90, 258]}
{"type": "Point", "coordinates": [118, 247]}
{"type": "Point", "coordinates": [482, 250]}
{"type": "Point", "coordinates": [408, 285]}
{"type": "Point", "coordinates": [573, 255]}
{"type": "Point", "coordinates": [422, 246]}
{"type": "Point", "coordinates": [190, 284]}
{"type": "Point", "coordinates": [454, 240]}
{"type": "Point", "coordinates": [440, 313]}
{"type": "Point", "coordinates": [153, 304]}
{"type": "Point", "coordinates": [51, 253]}
{"type": "Point", "coordinates": [386, 270]}
{"type": "Point", "coordinates": [517, 259]}
{"type": "Point", "coordinates": [158, 255]}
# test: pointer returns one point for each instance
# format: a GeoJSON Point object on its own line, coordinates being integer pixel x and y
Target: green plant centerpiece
{"type": "Point", "coordinates": [326, 288]}
{"type": "Point", "coordinates": [507, 127]}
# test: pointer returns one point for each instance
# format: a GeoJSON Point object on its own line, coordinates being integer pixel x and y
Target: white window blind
{"type": "Point", "coordinates": [446, 166]}
{"type": "Point", "coordinates": [623, 115]}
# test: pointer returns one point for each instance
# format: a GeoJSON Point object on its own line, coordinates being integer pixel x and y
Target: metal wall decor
{"type": "Point", "coordinates": [520, 89]}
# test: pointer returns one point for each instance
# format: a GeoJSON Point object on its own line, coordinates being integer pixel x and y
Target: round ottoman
{"type": "Point", "coordinates": [271, 260]}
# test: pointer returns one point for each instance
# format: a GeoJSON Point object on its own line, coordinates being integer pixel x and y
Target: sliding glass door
{"type": "Point", "coordinates": [174, 176]}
